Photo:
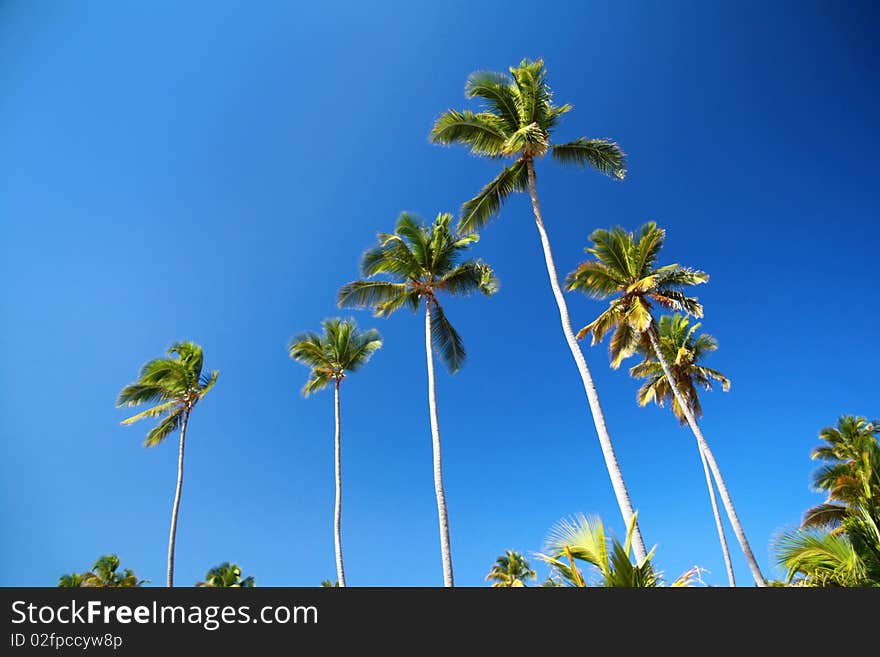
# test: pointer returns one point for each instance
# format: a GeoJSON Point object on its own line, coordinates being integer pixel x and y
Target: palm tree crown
{"type": "Point", "coordinates": [516, 121]}
{"type": "Point", "coordinates": [625, 265]}
{"type": "Point", "coordinates": [228, 576]}
{"type": "Point", "coordinates": [510, 570]}
{"type": "Point", "coordinates": [174, 384]}
{"type": "Point", "coordinates": [420, 262]}
{"type": "Point", "coordinates": [341, 349]}
{"type": "Point", "coordinates": [683, 350]}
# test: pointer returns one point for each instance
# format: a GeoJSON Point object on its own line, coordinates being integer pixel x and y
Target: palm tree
{"type": "Point", "coordinates": [104, 574]}
{"type": "Point", "coordinates": [838, 543]}
{"type": "Point", "coordinates": [328, 584]}
{"type": "Point", "coordinates": [851, 471]}
{"type": "Point", "coordinates": [227, 576]}
{"type": "Point", "coordinates": [331, 356]}
{"type": "Point", "coordinates": [626, 266]}
{"type": "Point", "coordinates": [421, 262]}
{"type": "Point", "coordinates": [584, 539]}
{"type": "Point", "coordinates": [175, 385]}
{"type": "Point", "coordinates": [684, 351]}
{"type": "Point", "coordinates": [510, 570]}
{"type": "Point", "coordinates": [516, 123]}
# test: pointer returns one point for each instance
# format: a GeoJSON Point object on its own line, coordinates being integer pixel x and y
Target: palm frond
{"type": "Point", "coordinates": [495, 89]}
{"type": "Point", "coordinates": [476, 212]}
{"type": "Point", "coordinates": [446, 340]}
{"type": "Point", "coordinates": [483, 133]}
{"type": "Point", "coordinates": [169, 424]}
{"type": "Point", "coordinates": [370, 294]}
{"type": "Point", "coordinates": [603, 155]}
{"type": "Point", "coordinates": [468, 277]}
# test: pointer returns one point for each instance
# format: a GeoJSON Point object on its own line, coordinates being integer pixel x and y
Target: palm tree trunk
{"type": "Point", "coordinates": [445, 549]}
{"type": "Point", "coordinates": [614, 472]}
{"type": "Point", "coordinates": [172, 538]}
{"type": "Point", "coordinates": [721, 536]}
{"type": "Point", "coordinates": [337, 516]}
{"type": "Point", "coordinates": [710, 458]}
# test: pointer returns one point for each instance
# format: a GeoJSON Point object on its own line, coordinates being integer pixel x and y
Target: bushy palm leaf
{"type": "Point", "coordinates": [175, 385]}
{"type": "Point", "coordinates": [228, 576]}
{"type": "Point", "coordinates": [340, 349]}
{"type": "Point", "coordinates": [683, 350]}
{"type": "Point", "coordinates": [103, 574]}
{"type": "Point", "coordinates": [421, 261]}
{"type": "Point", "coordinates": [511, 570]}
{"type": "Point", "coordinates": [625, 267]}
{"type": "Point", "coordinates": [517, 121]}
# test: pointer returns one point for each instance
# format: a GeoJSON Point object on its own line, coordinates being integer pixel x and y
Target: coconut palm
{"type": "Point", "coordinates": [421, 262]}
{"type": "Point", "coordinates": [340, 350]}
{"type": "Point", "coordinates": [583, 539]}
{"type": "Point", "coordinates": [510, 570]}
{"type": "Point", "coordinates": [516, 121]}
{"type": "Point", "coordinates": [684, 350]}
{"type": "Point", "coordinates": [104, 574]}
{"type": "Point", "coordinates": [227, 576]}
{"type": "Point", "coordinates": [625, 268]}
{"type": "Point", "coordinates": [838, 543]}
{"type": "Point", "coordinates": [851, 471]}
{"type": "Point", "coordinates": [174, 385]}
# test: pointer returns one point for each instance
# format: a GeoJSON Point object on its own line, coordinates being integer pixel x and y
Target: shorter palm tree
{"type": "Point", "coordinates": [583, 539]}
{"type": "Point", "coordinates": [329, 584]}
{"type": "Point", "coordinates": [227, 576]}
{"type": "Point", "coordinates": [511, 570]}
{"type": "Point", "coordinates": [174, 385]}
{"type": "Point", "coordinates": [684, 351]}
{"type": "Point", "coordinates": [625, 268]}
{"type": "Point", "coordinates": [103, 574]}
{"type": "Point", "coordinates": [340, 350]}
{"type": "Point", "coordinates": [422, 262]}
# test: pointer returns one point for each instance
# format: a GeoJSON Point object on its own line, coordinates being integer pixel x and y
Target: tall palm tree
{"type": "Point", "coordinates": [584, 539]}
{"type": "Point", "coordinates": [684, 350]}
{"type": "Point", "coordinates": [331, 356]}
{"type": "Point", "coordinates": [510, 570]}
{"type": "Point", "coordinates": [625, 268]}
{"type": "Point", "coordinates": [421, 262]}
{"type": "Point", "coordinates": [227, 576]}
{"type": "Point", "coordinates": [174, 385]}
{"type": "Point", "coordinates": [516, 122]}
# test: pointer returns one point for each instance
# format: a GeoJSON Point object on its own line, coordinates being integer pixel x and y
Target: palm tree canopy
{"type": "Point", "coordinates": [173, 385]}
{"type": "Point", "coordinates": [625, 267]}
{"type": "Point", "coordinates": [584, 539]}
{"type": "Point", "coordinates": [850, 474]}
{"type": "Point", "coordinates": [226, 575]}
{"type": "Point", "coordinates": [420, 261]}
{"type": "Point", "coordinates": [516, 121]}
{"type": "Point", "coordinates": [104, 573]}
{"type": "Point", "coordinates": [510, 570]}
{"type": "Point", "coordinates": [340, 349]}
{"type": "Point", "coordinates": [683, 349]}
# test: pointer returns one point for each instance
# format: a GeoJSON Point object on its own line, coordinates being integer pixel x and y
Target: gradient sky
{"type": "Point", "coordinates": [212, 171]}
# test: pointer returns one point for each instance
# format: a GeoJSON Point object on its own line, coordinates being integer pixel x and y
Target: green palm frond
{"type": "Point", "coordinates": [476, 212]}
{"type": "Point", "coordinates": [603, 155]}
{"type": "Point", "coordinates": [161, 431]}
{"type": "Point", "coordinates": [446, 340]}
{"type": "Point", "coordinates": [469, 277]}
{"type": "Point", "coordinates": [155, 411]}
{"type": "Point", "coordinates": [495, 89]}
{"type": "Point", "coordinates": [483, 133]}
{"type": "Point", "coordinates": [366, 294]}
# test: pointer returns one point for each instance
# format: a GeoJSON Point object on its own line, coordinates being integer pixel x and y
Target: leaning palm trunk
{"type": "Point", "coordinates": [337, 516]}
{"type": "Point", "coordinates": [172, 538]}
{"type": "Point", "coordinates": [710, 458]}
{"type": "Point", "coordinates": [445, 548]}
{"type": "Point", "coordinates": [721, 536]}
{"type": "Point", "coordinates": [620, 490]}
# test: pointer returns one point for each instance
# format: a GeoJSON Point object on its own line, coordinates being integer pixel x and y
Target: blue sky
{"type": "Point", "coordinates": [212, 171]}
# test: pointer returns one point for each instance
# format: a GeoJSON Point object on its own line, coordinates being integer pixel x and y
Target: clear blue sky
{"type": "Point", "coordinates": [212, 171]}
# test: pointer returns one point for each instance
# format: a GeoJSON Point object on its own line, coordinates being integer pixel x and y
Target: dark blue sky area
{"type": "Point", "coordinates": [213, 170]}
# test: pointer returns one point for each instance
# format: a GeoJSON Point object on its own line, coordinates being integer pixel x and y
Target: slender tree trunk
{"type": "Point", "coordinates": [172, 538]}
{"type": "Point", "coordinates": [720, 525]}
{"type": "Point", "coordinates": [614, 472]}
{"type": "Point", "coordinates": [710, 458]}
{"type": "Point", "coordinates": [445, 549]}
{"type": "Point", "coordinates": [337, 515]}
